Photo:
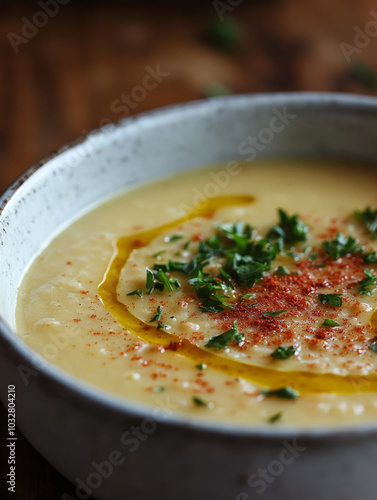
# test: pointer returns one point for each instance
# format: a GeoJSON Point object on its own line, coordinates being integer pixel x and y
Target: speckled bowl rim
{"type": "Point", "coordinates": [364, 104]}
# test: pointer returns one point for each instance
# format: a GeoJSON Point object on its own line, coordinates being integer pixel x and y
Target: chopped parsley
{"type": "Point", "coordinates": [138, 292]}
{"type": "Point", "coordinates": [169, 283]}
{"type": "Point", "coordinates": [369, 218]}
{"type": "Point", "coordinates": [186, 245]}
{"type": "Point", "coordinates": [330, 322]}
{"type": "Point", "coordinates": [248, 296]}
{"type": "Point", "coordinates": [370, 281]}
{"type": "Point", "coordinates": [157, 254]}
{"type": "Point", "coordinates": [222, 340]}
{"type": "Point", "coordinates": [289, 229]}
{"type": "Point", "coordinates": [274, 313]}
{"type": "Point", "coordinates": [284, 392]}
{"type": "Point", "coordinates": [174, 237]}
{"type": "Point", "coordinates": [331, 299]}
{"type": "Point", "coordinates": [370, 258]}
{"type": "Point", "coordinates": [276, 417]}
{"type": "Point", "coordinates": [161, 326]}
{"type": "Point", "coordinates": [283, 352]}
{"type": "Point", "coordinates": [160, 388]}
{"type": "Point", "coordinates": [341, 246]}
{"type": "Point", "coordinates": [201, 366]}
{"type": "Point", "coordinates": [150, 281]}
{"type": "Point", "coordinates": [158, 315]}
{"type": "Point", "coordinates": [200, 402]}
{"type": "Point", "coordinates": [282, 271]}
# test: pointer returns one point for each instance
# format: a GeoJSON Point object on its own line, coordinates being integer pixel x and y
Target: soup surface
{"type": "Point", "coordinates": [244, 294]}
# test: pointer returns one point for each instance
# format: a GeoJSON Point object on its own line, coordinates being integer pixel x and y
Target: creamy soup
{"type": "Point", "coordinates": [245, 296]}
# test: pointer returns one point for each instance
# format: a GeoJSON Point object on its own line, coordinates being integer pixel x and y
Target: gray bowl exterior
{"type": "Point", "coordinates": [119, 449]}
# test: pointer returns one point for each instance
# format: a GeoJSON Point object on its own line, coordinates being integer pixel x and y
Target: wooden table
{"type": "Point", "coordinates": [69, 77]}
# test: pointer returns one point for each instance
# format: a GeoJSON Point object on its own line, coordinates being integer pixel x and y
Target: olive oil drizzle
{"type": "Point", "coordinates": [304, 382]}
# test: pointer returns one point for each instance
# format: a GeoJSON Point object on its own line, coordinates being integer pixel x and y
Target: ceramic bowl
{"type": "Point", "coordinates": [89, 435]}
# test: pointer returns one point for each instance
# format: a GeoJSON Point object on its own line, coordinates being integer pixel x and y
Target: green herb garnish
{"type": "Point", "coordinates": [289, 229]}
{"type": "Point", "coordinates": [275, 417]}
{"type": "Point", "coordinates": [150, 281]}
{"type": "Point", "coordinates": [138, 292]}
{"type": "Point", "coordinates": [222, 340]}
{"type": "Point", "coordinates": [283, 271]}
{"type": "Point", "coordinates": [174, 237]}
{"type": "Point", "coordinates": [369, 218]}
{"type": "Point", "coordinates": [247, 296]}
{"type": "Point", "coordinates": [158, 315]}
{"type": "Point", "coordinates": [186, 245]}
{"type": "Point", "coordinates": [161, 277]}
{"type": "Point", "coordinates": [341, 246]}
{"type": "Point", "coordinates": [157, 254]}
{"type": "Point", "coordinates": [283, 352]}
{"type": "Point", "coordinates": [370, 258]}
{"type": "Point", "coordinates": [367, 283]}
{"type": "Point", "coordinates": [161, 326]}
{"type": "Point", "coordinates": [274, 313]}
{"type": "Point", "coordinates": [330, 322]}
{"type": "Point", "coordinates": [331, 299]}
{"type": "Point", "coordinates": [159, 389]}
{"type": "Point", "coordinates": [201, 366]}
{"type": "Point", "coordinates": [201, 402]}
{"type": "Point", "coordinates": [284, 392]}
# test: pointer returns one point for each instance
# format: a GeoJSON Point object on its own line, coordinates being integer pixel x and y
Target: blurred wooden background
{"type": "Point", "coordinates": [66, 77]}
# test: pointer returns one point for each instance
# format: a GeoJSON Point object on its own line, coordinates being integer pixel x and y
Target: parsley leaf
{"type": "Point", "coordinates": [289, 229]}
{"type": "Point", "coordinates": [341, 246]}
{"type": "Point", "coordinates": [367, 283]}
{"type": "Point", "coordinates": [284, 392]}
{"type": "Point", "coordinates": [282, 271]}
{"type": "Point", "coordinates": [157, 254]}
{"type": "Point", "coordinates": [330, 322]}
{"type": "Point", "coordinates": [150, 281]}
{"type": "Point", "coordinates": [370, 258]}
{"type": "Point", "coordinates": [332, 299]}
{"type": "Point", "coordinates": [275, 417]}
{"type": "Point", "coordinates": [174, 237]}
{"type": "Point", "coordinates": [201, 366]}
{"type": "Point", "coordinates": [274, 313]}
{"type": "Point", "coordinates": [165, 281]}
{"type": "Point", "coordinates": [369, 218]}
{"type": "Point", "coordinates": [158, 315]}
{"type": "Point", "coordinates": [222, 340]}
{"type": "Point", "coordinates": [201, 402]}
{"type": "Point", "coordinates": [248, 296]}
{"type": "Point", "coordinates": [283, 352]}
{"type": "Point", "coordinates": [160, 388]}
{"type": "Point", "coordinates": [138, 292]}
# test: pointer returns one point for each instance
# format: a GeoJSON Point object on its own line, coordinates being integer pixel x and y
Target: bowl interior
{"type": "Point", "coordinates": [156, 144]}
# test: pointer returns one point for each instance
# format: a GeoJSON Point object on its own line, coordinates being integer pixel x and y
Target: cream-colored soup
{"type": "Point", "coordinates": [119, 342]}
